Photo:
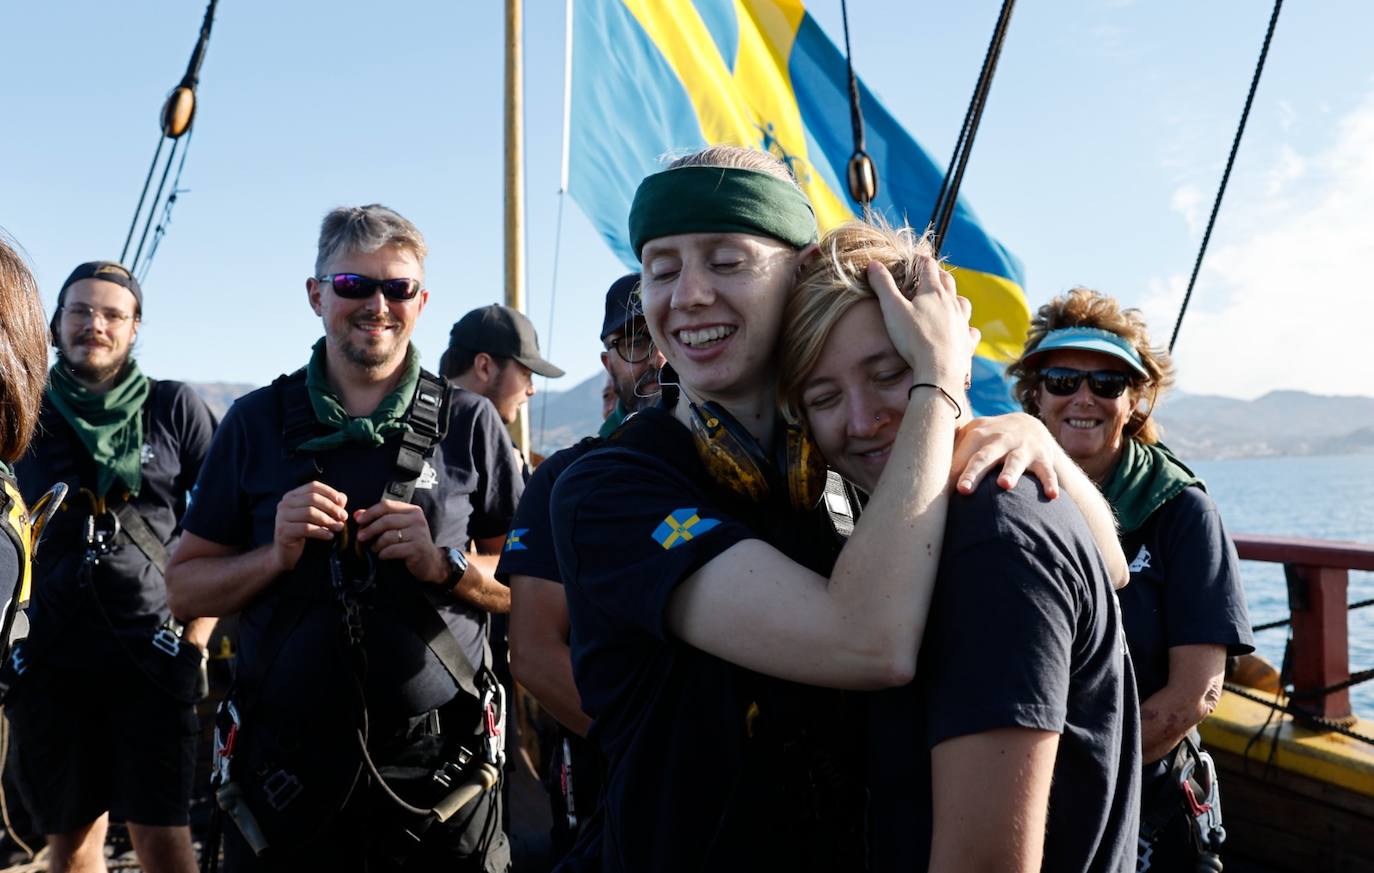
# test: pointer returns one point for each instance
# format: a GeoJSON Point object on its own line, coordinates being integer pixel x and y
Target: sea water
{"type": "Point", "coordinates": [1329, 498]}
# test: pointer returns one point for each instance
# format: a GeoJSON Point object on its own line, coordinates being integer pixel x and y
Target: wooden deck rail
{"type": "Point", "coordinates": [1318, 574]}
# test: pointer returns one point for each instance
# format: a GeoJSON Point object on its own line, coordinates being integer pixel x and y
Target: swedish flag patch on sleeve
{"type": "Point", "coordinates": [513, 543]}
{"type": "Point", "coordinates": [680, 526]}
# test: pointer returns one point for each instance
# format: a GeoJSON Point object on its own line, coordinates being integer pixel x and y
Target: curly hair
{"type": "Point", "coordinates": [1084, 307]}
{"type": "Point", "coordinates": [829, 286]}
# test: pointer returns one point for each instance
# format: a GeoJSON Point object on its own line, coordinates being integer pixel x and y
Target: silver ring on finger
{"type": "Point", "coordinates": [400, 536]}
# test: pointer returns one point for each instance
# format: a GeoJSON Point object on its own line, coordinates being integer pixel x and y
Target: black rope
{"type": "Point", "coordinates": [1325, 724]}
{"type": "Point", "coordinates": [943, 209]}
{"type": "Point", "coordinates": [862, 174]}
{"type": "Point", "coordinates": [1226, 176]}
{"type": "Point", "coordinates": [161, 141]}
{"type": "Point", "coordinates": [856, 117]}
{"type": "Point", "coordinates": [1283, 622]}
{"type": "Point", "coordinates": [141, 271]}
{"type": "Point", "coordinates": [161, 186]}
{"type": "Point", "coordinates": [1355, 679]}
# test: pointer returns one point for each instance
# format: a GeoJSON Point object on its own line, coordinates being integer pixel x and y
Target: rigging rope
{"type": "Point", "coordinates": [1359, 604]}
{"type": "Point", "coordinates": [166, 220]}
{"type": "Point", "coordinates": [943, 210]}
{"type": "Point", "coordinates": [1275, 705]}
{"type": "Point", "coordinates": [1226, 175]}
{"type": "Point", "coordinates": [863, 176]}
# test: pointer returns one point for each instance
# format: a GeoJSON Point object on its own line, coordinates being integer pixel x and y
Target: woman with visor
{"type": "Point", "coordinates": [1090, 373]}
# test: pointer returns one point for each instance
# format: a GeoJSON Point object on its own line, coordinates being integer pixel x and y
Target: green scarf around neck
{"type": "Point", "coordinates": [109, 425]}
{"type": "Point", "coordinates": [369, 430]}
{"type": "Point", "coordinates": [1146, 478]}
{"type": "Point", "coordinates": [613, 421]}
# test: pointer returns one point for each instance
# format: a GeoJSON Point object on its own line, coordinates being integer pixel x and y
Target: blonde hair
{"type": "Point", "coordinates": [736, 158]}
{"type": "Point", "coordinates": [831, 284]}
{"type": "Point", "coordinates": [1084, 307]}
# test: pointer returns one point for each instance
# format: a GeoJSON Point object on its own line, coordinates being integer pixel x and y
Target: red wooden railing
{"type": "Point", "coordinates": [1318, 574]}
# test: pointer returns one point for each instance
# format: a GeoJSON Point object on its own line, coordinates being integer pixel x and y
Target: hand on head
{"type": "Point", "coordinates": [931, 330]}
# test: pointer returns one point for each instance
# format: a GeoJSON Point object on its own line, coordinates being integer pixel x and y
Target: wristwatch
{"type": "Point", "coordinates": [457, 566]}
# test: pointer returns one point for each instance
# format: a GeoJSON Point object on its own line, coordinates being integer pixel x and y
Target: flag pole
{"type": "Point", "coordinates": [515, 191]}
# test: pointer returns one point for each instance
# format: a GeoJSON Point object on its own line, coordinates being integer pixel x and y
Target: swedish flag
{"type": "Point", "coordinates": [652, 77]}
{"type": "Point", "coordinates": [513, 543]}
{"type": "Point", "coordinates": [680, 526]}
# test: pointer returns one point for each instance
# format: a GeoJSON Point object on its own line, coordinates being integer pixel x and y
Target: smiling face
{"type": "Point", "coordinates": [855, 397]}
{"type": "Point", "coordinates": [713, 304]}
{"type": "Point", "coordinates": [372, 333]}
{"type": "Point", "coordinates": [1087, 426]}
{"type": "Point", "coordinates": [96, 344]}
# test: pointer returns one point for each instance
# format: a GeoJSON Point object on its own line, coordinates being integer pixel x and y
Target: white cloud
{"type": "Point", "coordinates": [1289, 168]}
{"type": "Point", "coordinates": [1286, 301]}
{"type": "Point", "coordinates": [1187, 201]}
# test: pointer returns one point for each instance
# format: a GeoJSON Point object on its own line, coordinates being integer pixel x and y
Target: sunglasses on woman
{"type": "Point", "coordinates": [1064, 381]}
{"type": "Point", "coordinates": [351, 286]}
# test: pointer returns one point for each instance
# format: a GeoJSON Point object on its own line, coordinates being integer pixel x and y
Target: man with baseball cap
{"type": "Point", "coordinates": [103, 706]}
{"type": "Point", "coordinates": [493, 351]}
{"type": "Point", "coordinates": [629, 355]}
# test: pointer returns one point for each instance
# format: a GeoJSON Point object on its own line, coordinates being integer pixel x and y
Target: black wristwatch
{"type": "Point", "coordinates": [457, 565]}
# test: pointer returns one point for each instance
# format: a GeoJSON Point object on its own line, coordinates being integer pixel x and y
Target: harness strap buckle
{"type": "Point", "coordinates": [167, 642]}
{"type": "Point", "coordinates": [281, 788]}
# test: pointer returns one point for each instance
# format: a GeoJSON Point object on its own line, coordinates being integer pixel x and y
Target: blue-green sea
{"type": "Point", "coordinates": [1320, 497]}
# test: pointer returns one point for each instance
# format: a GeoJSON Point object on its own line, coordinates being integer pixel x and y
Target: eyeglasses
{"type": "Point", "coordinates": [351, 286]}
{"type": "Point", "coordinates": [83, 314]}
{"type": "Point", "coordinates": [1064, 381]}
{"type": "Point", "coordinates": [635, 348]}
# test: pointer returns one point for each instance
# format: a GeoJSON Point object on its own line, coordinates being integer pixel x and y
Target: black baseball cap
{"type": "Point", "coordinates": [622, 305]}
{"type": "Point", "coordinates": [501, 332]}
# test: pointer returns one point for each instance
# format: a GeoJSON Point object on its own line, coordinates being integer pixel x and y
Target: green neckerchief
{"type": "Point", "coordinates": [613, 421]}
{"type": "Point", "coordinates": [1146, 478]}
{"type": "Point", "coordinates": [370, 430]}
{"type": "Point", "coordinates": [7, 471]}
{"type": "Point", "coordinates": [109, 425]}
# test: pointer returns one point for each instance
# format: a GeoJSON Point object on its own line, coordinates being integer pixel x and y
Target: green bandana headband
{"type": "Point", "coordinates": [720, 200]}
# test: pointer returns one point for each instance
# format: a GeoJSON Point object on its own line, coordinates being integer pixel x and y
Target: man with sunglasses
{"type": "Point", "coordinates": [494, 351]}
{"type": "Point", "coordinates": [103, 709]}
{"type": "Point", "coordinates": [1090, 374]}
{"type": "Point", "coordinates": [364, 692]}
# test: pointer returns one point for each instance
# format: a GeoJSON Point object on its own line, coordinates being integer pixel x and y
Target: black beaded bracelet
{"type": "Point", "coordinates": [958, 410]}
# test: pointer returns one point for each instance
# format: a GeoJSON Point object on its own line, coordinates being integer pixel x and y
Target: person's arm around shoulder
{"type": "Point", "coordinates": [991, 796]}
{"type": "Point", "coordinates": [1023, 444]}
{"type": "Point", "coordinates": [753, 606]}
{"type": "Point", "coordinates": [540, 658]}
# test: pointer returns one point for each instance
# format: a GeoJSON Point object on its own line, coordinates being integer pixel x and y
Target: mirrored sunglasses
{"type": "Point", "coordinates": [351, 286]}
{"type": "Point", "coordinates": [1064, 381]}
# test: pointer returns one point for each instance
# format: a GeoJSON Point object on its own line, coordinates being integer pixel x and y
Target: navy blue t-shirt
{"type": "Point", "coordinates": [1024, 631]}
{"type": "Point", "coordinates": [468, 490]}
{"type": "Point", "coordinates": [695, 779]}
{"type": "Point", "coordinates": [529, 547]}
{"type": "Point", "coordinates": [1185, 587]}
{"type": "Point", "coordinates": [64, 619]}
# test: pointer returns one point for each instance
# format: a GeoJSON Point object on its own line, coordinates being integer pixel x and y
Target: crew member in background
{"type": "Point", "coordinates": [335, 514]}
{"type": "Point", "coordinates": [493, 351]}
{"type": "Point", "coordinates": [1089, 373]}
{"type": "Point", "coordinates": [540, 656]}
{"type": "Point", "coordinates": [103, 712]}
{"type": "Point", "coordinates": [608, 398]}
{"type": "Point", "coordinates": [629, 355]}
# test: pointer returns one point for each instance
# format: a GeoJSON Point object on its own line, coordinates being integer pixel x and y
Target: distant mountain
{"type": "Point", "coordinates": [1196, 426]}
{"type": "Point", "coordinates": [1278, 423]}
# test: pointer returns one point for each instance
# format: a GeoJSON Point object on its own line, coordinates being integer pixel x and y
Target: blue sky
{"type": "Point", "coordinates": [1103, 141]}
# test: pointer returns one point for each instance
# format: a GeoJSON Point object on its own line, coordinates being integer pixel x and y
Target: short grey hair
{"type": "Point", "coordinates": [366, 229]}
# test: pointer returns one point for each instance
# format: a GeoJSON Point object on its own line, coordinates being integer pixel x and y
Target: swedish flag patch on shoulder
{"type": "Point", "coordinates": [513, 543]}
{"type": "Point", "coordinates": [680, 526]}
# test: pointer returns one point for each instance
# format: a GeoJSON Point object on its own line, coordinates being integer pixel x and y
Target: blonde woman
{"type": "Point", "coordinates": [1022, 721]}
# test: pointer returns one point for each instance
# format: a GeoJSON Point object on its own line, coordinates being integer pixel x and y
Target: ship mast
{"type": "Point", "coordinates": [515, 192]}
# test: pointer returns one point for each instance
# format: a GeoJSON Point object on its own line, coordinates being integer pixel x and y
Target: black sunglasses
{"type": "Point", "coordinates": [1064, 381]}
{"type": "Point", "coordinates": [351, 286]}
